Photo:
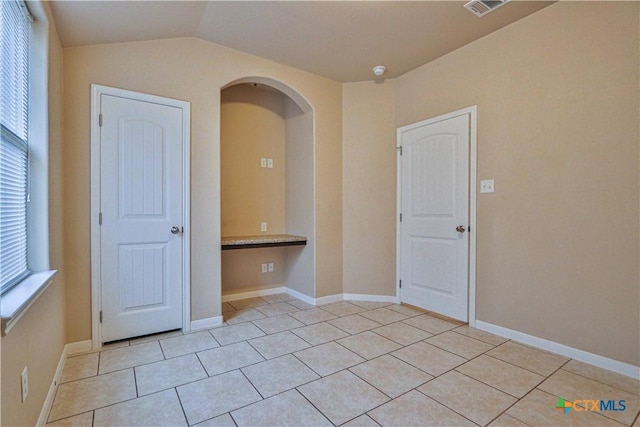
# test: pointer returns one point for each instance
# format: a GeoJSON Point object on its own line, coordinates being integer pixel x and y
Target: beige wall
{"type": "Point", "coordinates": [252, 126]}
{"type": "Point", "coordinates": [195, 71]}
{"type": "Point", "coordinates": [300, 270]}
{"type": "Point", "coordinates": [38, 339]}
{"type": "Point", "coordinates": [369, 188]}
{"type": "Point", "coordinates": [262, 122]}
{"type": "Point", "coordinates": [241, 269]}
{"type": "Point", "coordinates": [557, 96]}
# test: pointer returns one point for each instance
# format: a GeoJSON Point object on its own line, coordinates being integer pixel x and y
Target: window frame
{"type": "Point", "coordinates": [14, 136]}
{"type": "Point", "coordinates": [15, 302]}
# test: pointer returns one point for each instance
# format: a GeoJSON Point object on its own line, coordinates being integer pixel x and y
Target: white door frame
{"type": "Point", "coordinates": [473, 135]}
{"type": "Point", "coordinates": [96, 301]}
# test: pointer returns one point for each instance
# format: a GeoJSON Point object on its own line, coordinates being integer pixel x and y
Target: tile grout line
{"type": "Point", "coordinates": [184, 413]}
{"type": "Point", "coordinates": [195, 352]}
{"type": "Point", "coordinates": [595, 380]}
{"type": "Point", "coordinates": [518, 366]}
{"type": "Point", "coordinates": [348, 368]}
{"type": "Point", "coordinates": [451, 409]}
{"type": "Point", "coordinates": [478, 339]}
{"type": "Point", "coordinates": [314, 406]}
{"type": "Point", "coordinates": [320, 376]}
{"type": "Point", "coordinates": [527, 393]}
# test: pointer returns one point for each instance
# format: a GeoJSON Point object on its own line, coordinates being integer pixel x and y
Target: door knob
{"type": "Point", "coordinates": [460, 229]}
{"type": "Point", "coordinates": [175, 230]}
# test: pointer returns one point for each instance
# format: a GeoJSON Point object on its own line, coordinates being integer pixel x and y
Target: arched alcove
{"type": "Point", "coordinates": [267, 176]}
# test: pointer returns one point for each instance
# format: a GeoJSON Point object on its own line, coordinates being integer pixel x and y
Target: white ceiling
{"type": "Point", "coordinates": [341, 40]}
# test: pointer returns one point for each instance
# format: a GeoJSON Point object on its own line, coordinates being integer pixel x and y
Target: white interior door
{"type": "Point", "coordinates": [141, 199]}
{"type": "Point", "coordinates": [434, 238]}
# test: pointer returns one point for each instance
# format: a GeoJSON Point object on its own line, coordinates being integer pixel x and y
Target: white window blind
{"type": "Point", "coordinates": [14, 96]}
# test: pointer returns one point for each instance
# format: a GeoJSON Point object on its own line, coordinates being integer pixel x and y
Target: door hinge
{"type": "Point", "coordinates": [100, 218]}
{"type": "Point", "coordinates": [400, 217]}
{"type": "Point", "coordinates": [399, 149]}
{"type": "Point", "coordinates": [100, 316]}
{"type": "Point", "coordinates": [100, 119]}
{"type": "Point", "coordinates": [400, 284]}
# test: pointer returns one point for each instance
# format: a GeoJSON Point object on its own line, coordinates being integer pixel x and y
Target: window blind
{"type": "Point", "coordinates": [14, 125]}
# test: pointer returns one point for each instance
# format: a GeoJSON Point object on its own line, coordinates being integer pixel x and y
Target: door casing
{"type": "Point", "coordinates": [96, 303]}
{"type": "Point", "coordinates": [473, 135]}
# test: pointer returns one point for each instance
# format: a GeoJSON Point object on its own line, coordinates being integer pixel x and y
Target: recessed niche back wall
{"type": "Point", "coordinates": [259, 122]}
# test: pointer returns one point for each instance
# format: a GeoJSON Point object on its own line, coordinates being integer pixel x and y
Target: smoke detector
{"type": "Point", "coordinates": [379, 70]}
{"type": "Point", "coordinates": [482, 7]}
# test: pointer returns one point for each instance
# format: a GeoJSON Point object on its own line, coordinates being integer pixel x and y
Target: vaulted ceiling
{"type": "Point", "coordinates": [341, 40]}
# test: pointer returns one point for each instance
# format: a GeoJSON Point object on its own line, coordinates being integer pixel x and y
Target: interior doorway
{"type": "Point", "coordinates": [140, 214]}
{"type": "Point", "coordinates": [436, 233]}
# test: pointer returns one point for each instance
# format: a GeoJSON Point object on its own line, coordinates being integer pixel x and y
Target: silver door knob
{"type": "Point", "coordinates": [460, 229]}
{"type": "Point", "coordinates": [175, 230]}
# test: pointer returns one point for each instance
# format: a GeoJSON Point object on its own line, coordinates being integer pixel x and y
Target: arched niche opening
{"type": "Point", "coordinates": [267, 176]}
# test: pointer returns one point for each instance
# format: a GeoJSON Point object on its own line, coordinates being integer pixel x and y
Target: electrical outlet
{"type": "Point", "coordinates": [270, 267]}
{"type": "Point", "coordinates": [263, 227]}
{"type": "Point", "coordinates": [486, 186]}
{"type": "Point", "coordinates": [263, 162]}
{"type": "Point", "coordinates": [270, 163]}
{"type": "Point", "coordinates": [264, 267]}
{"type": "Point", "coordinates": [24, 377]}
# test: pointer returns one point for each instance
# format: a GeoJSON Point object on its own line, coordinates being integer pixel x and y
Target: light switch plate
{"type": "Point", "coordinates": [270, 267]}
{"type": "Point", "coordinates": [486, 186]}
{"type": "Point", "coordinates": [263, 227]}
{"type": "Point", "coordinates": [263, 162]}
{"type": "Point", "coordinates": [270, 163]}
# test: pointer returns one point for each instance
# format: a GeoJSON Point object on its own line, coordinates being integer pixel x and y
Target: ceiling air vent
{"type": "Point", "coordinates": [482, 7]}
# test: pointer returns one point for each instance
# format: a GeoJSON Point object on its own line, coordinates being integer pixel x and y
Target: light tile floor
{"type": "Point", "coordinates": [280, 361]}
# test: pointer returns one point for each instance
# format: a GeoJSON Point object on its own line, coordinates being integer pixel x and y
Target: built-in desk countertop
{"type": "Point", "coordinates": [262, 241]}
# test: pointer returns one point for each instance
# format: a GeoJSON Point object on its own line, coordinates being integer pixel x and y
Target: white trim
{"type": "Point", "coordinates": [398, 212]}
{"type": "Point", "coordinates": [253, 294]}
{"type": "Point", "coordinates": [48, 401]}
{"type": "Point", "coordinates": [96, 300]}
{"type": "Point", "coordinates": [473, 229]}
{"type": "Point", "coordinates": [564, 350]}
{"type": "Point", "coordinates": [373, 298]}
{"type": "Point", "coordinates": [96, 303]}
{"type": "Point", "coordinates": [69, 349]}
{"type": "Point", "coordinates": [329, 299]}
{"type": "Point", "coordinates": [21, 297]}
{"type": "Point", "coordinates": [208, 323]}
{"type": "Point", "coordinates": [186, 213]}
{"type": "Point", "coordinates": [302, 297]}
{"type": "Point", "coordinates": [473, 224]}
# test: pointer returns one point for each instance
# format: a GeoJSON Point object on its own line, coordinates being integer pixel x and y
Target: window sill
{"type": "Point", "coordinates": [15, 303]}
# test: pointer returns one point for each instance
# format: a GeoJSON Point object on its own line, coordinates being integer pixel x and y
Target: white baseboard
{"type": "Point", "coordinates": [329, 299]}
{"type": "Point", "coordinates": [69, 350]}
{"type": "Point", "coordinates": [253, 294]}
{"type": "Point", "coordinates": [207, 323]}
{"type": "Point", "coordinates": [372, 298]}
{"type": "Point", "coordinates": [48, 401]}
{"type": "Point", "coordinates": [574, 353]}
{"type": "Point", "coordinates": [301, 296]}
